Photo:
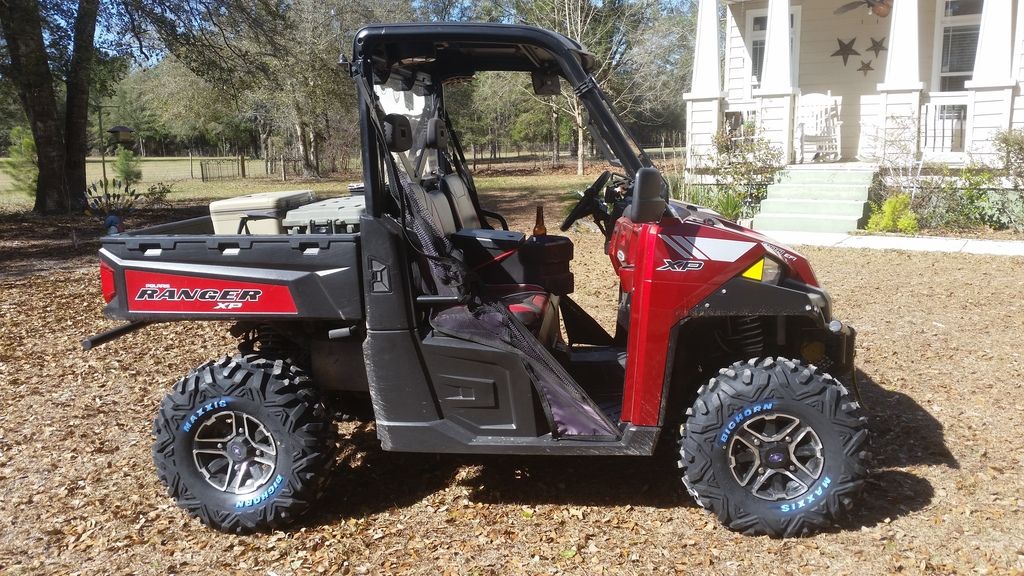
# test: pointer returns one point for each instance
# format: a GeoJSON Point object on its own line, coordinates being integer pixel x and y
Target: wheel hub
{"type": "Point", "coordinates": [239, 449]}
{"type": "Point", "coordinates": [234, 452]}
{"type": "Point", "coordinates": [776, 456]}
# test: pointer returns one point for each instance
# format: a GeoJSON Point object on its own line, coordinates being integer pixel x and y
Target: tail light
{"type": "Point", "coordinates": [107, 282]}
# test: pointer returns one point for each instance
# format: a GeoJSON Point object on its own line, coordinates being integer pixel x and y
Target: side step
{"type": "Point", "coordinates": [443, 436]}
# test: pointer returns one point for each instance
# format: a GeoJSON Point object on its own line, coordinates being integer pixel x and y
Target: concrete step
{"type": "Point", "coordinates": [822, 176]}
{"type": "Point", "coordinates": [825, 208]}
{"type": "Point", "coordinates": [804, 223]}
{"type": "Point", "coordinates": [818, 191]}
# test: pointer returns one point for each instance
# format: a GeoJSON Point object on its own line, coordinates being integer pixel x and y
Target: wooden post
{"type": "Point", "coordinates": [191, 172]}
{"type": "Point", "coordinates": [284, 171]}
{"type": "Point", "coordinates": [241, 165]}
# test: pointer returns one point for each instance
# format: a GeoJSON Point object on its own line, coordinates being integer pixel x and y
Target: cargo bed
{"type": "Point", "coordinates": [182, 270]}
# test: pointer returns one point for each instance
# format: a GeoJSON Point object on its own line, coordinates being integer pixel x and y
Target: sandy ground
{"type": "Point", "coordinates": [941, 367]}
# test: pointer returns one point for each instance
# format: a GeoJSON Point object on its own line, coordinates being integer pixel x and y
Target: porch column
{"type": "Point", "coordinates": [704, 101]}
{"type": "Point", "coordinates": [778, 70]}
{"type": "Point", "coordinates": [901, 90]}
{"type": "Point", "coordinates": [775, 94]}
{"type": "Point", "coordinates": [995, 45]}
{"type": "Point", "coordinates": [1017, 119]}
{"type": "Point", "coordinates": [990, 90]}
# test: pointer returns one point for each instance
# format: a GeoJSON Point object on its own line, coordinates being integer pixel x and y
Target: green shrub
{"type": "Point", "coordinates": [944, 197]}
{"type": "Point", "coordinates": [1010, 145]}
{"type": "Point", "coordinates": [744, 164]}
{"type": "Point", "coordinates": [894, 215]}
{"type": "Point", "coordinates": [156, 194]}
{"type": "Point", "coordinates": [1004, 209]}
{"type": "Point", "coordinates": [127, 166]}
{"type": "Point", "coordinates": [22, 167]}
{"type": "Point", "coordinates": [729, 204]}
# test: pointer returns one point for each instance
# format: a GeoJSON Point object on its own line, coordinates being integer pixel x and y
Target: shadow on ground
{"type": "Point", "coordinates": [903, 434]}
{"type": "Point", "coordinates": [371, 480]}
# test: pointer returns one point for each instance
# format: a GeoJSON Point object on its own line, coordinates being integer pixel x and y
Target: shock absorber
{"type": "Point", "coordinates": [747, 336]}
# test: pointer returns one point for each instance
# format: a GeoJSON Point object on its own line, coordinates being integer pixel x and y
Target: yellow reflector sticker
{"type": "Point", "coordinates": [755, 272]}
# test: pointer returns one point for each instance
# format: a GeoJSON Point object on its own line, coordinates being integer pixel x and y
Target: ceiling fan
{"type": "Point", "coordinates": [880, 8]}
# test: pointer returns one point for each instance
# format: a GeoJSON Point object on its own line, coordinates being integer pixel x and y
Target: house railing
{"type": "Point", "coordinates": [943, 126]}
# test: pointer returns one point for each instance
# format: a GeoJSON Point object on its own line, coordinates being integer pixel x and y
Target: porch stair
{"type": "Point", "coordinates": [817, 198]}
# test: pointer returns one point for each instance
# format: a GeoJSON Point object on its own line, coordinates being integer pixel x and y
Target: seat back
{"type": "Point", "coordinates": [437, 207]}
{"type": "Point", "coordinates": [458, 193]}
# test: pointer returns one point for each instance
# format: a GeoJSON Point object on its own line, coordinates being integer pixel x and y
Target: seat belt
{"type": "Point", "coordinates": [459, 162]}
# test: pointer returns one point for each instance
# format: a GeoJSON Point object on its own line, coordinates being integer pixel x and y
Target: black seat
{"type": "Point", "coordinates": [454, 187]}
{"type": "Point", "coordinates": [450, 208]}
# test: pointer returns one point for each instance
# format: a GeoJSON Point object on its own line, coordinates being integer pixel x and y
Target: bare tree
{"type": "Point", "coordinates": [610, 30]}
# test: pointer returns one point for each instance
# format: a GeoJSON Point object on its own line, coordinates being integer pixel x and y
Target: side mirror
{"type": "Point", "coordinates": [648, 204]}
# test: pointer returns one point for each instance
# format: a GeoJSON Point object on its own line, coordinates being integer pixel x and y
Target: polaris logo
{"type": "Point", "coordinates": [227, 299]}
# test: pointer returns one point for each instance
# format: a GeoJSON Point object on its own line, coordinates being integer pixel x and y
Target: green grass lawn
{"type": "Point", "coordinates": [517, 189]}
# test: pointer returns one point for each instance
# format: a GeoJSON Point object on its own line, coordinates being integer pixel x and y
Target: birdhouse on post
{"type": "Point", "coordinates": [122, 134]}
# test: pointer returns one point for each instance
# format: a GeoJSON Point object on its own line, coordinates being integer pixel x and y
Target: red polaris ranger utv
{"type": "Point", "coordinates": [462, 335]}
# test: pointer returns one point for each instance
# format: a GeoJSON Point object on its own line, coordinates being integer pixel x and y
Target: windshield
{"type": "Point", "coordinates": [419, 108]}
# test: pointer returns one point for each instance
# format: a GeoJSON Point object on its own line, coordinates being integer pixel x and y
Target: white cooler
{"type": "Point", "coordinates": [262, 212]}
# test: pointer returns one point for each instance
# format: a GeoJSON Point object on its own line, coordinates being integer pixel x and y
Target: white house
{"type": "Point", "coordinates": [925, 79]}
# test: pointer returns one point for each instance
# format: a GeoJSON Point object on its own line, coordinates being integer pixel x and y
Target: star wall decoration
{"type": "Point", "coordinates": [877, 46]}
{"type": "Point", "coordinates": [865, 67]}
{"type": "Point", "coordinates": [846, 50]}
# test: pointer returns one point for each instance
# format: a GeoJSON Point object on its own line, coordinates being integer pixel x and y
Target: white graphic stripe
{"type": "Point", "coordinates": [722, 250]}
{"type": "Point", "coordinates": [671, 241]}
{"type": "Point", "coordinates": [701, 248]}
{"type": "Point", "coordinates": [693, 248]}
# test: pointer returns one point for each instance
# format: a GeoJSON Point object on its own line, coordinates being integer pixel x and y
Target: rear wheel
{"type": "Point", "coordinates": [244, 443]}
{"type": "Point", "coordinates": [774, 447]}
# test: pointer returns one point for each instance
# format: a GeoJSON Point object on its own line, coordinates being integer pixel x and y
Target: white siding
{"type": "Point", "coordinates": [702, 120]}
{"type": "Point", "coordinates": [820, 72]}
{"type": "Point", "coordinates": [1018, 109]}
{"type": "Point", "coordinates": [776, 120]}
{"type": "Point", "coordinates": [990, 113]}
{"type": "Point", "coordinates": [737, 85]}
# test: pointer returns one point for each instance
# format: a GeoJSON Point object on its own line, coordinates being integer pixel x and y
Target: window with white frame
{"type": "Point", "coordinates": [757, 33]}
{"type": "Point", "coordinates": [956, 43]}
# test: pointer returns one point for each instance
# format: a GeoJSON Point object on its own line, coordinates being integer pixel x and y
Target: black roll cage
{"type": "Point", "coordinates": [447, 50]}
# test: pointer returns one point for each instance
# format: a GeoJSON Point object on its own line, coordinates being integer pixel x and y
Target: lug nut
{"type": "Point", "coordinates": [788, 439]}
{"type": "Point", "coordinates": [757, 442]}
{"type": "Point", "coordinates": [760, 470]}
{"type": "Point", "coordinates": [791, 467]}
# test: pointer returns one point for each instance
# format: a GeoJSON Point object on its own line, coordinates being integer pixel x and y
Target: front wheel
{"type": "Point", "coordinates": [774, 447]}
{"type": "Point", "coordinates": [244, 443]}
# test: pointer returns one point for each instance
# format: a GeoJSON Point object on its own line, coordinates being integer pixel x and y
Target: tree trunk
{"type": "Point", "coordinates": [302, 138]}
{"type": "Point", "coordinates": [76, 122]}
{"type": "Point", "coordinates": [554, 136]}
{"type": "Point", "coordinates": [30, 70]}
{"type": "Point", "coordinates": [316, 152]}
{"type": "Point", "coordinates": [581, 145]}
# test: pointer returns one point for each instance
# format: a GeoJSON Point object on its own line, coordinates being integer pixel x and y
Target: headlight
{"type": "Point", "coordinates": [764, 270]}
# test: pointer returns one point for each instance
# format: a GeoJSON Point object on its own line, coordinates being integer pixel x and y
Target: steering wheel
{"type": "Point", "coordinates": [587, 202]}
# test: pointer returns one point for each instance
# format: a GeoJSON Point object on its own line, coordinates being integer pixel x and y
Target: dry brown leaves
{"type": "Point", "coordinates": [941, 365]}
